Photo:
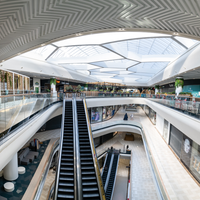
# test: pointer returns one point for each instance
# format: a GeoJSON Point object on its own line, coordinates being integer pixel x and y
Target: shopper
{"type": "Point", "coordinates": [126, 117]}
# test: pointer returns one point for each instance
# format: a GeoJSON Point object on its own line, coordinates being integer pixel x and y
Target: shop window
{"type": "Point", "coordinates": [96, 114]}
{"type": "Point", "coordinates": [165, 130]}
{"type": "Point", "coordinates": [175, 141]}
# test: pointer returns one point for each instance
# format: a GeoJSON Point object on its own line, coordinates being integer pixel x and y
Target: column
{"type": "Point", "coordinates": [10, 171]}
{"type": "Point", "coordinates": [53, 86]}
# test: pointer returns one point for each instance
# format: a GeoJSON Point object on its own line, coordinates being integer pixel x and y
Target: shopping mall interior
{"type": "Point", "coordinates": [100, 100]}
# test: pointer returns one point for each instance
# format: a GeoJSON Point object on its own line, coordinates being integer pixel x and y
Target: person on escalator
{"type": "Point", "coordinates": [105, 168]}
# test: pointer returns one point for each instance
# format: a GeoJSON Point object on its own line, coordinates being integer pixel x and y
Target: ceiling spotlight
{"type": "Point", "coordinates": [121, 29]}
{"type": "Point", "coordinates": [2, 60]}
{"type": "Point", "coordinates": [21, 67]}
{"type": "Point", "coordinates": [40, 70]}
{"type": "Point", "coordinates": [78, 34]}
{"type": "Point", "coordinates": [175, 33]}
{"type": "Point", "coordinates": [42, 45]}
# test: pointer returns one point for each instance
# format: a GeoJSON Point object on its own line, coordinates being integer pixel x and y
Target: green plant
{"type": "Point", "coordinates": [171, 92]}
{"type": "Point", "coordinates": [53, 81]}
{"type": "Point", "coordinates": [10, 80]}
{"type": "Point", "coordinates": [6, 77]}
{"type": "Point", "coordinates": [78, 88]}
{"type": "Point", "coordinates": [179, 83]}
{"type": "Point", "coordinates": [157, 87]}
{"type": "Point", "coordinates": [86, 85]}
{"type": "Point", "coordinates": [48, 90]}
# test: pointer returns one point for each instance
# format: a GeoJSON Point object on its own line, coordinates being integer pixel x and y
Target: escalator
{"type": "Point", "coordinates": [110, 187]}
{"type": "Point", "coordinates": [105, 171]}
{"type": "Point", "coordinates": [65, 189]}
{"type": "Point", "coordinates": [90, 190]}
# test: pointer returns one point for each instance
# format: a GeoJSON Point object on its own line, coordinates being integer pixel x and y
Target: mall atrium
{"type": "Point", "coordinates": [100, 100]}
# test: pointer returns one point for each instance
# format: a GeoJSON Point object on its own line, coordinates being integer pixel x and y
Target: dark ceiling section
{"type": "Point", "coordinates": [25, 24]}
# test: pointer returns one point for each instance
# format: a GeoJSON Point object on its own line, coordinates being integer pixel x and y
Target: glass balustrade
{"type": "Point", "coordinates": [18, 109]}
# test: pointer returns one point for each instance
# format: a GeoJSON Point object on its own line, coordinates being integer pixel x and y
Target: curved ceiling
{"type": "Point", "coordinates": [133, 58]}
{"type": "Point", "coordinates": [25, 24]}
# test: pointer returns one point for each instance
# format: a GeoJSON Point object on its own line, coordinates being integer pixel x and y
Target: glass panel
{"type": "Point", "coordinates": [175, 141]}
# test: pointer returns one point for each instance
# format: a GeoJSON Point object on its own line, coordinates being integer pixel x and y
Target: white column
{"type": "Point", "coordinates": [10, 171]}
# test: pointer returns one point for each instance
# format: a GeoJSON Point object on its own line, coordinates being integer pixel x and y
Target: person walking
{"type": "Point", "coordinates": [126, 117]}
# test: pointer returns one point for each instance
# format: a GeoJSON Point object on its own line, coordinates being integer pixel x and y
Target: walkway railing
{"type": "Point", "coordinates": [185, 104]}
{"type": "Point", "coordinates": [18, 109]}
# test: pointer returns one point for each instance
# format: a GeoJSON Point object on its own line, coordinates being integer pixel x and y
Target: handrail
{"type": "Point", "coordinates": [45, 173]}
{"type": "Point", "coordinates": [104, 162]}
{"type": "Point", "coordinates": [77, 170]}
{"type": "Point", "coordinates": [109, 171]}
{"type": "Point", "coordinates": [60, 151]}
{"type": "Point", "coordinates": [115, 178]}
{"type": "Point", "coordinates": [95, 160]}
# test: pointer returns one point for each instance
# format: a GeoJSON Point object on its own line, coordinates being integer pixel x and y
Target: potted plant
{"type": "Point", "coordinates": [179, 83]}
{"type": "Point", "coordinates": [78, 88]}
{"type": "Point", "coordinates": [157, 87]}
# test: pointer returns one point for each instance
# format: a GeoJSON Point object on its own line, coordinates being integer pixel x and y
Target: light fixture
{"type": "Point", "coordinates": [121, 29]}
{"type": "Point", "coordinates": [175, 33]}
{"type": "Point", "coordinates": [2, 60]}
{"type": "Point", "coordinates": [21, 67]}
{"type": "Point", "coordinates": [78, 34]}
{"type": "Point", "coordinates": [42, 45]}
{"type": "Point", "coordinates": [40, 70]}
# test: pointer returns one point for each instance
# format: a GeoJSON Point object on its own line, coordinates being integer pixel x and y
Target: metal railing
{"type": "Point", "coordinates": [77, 152]}
{"type": "Point", "coordinates": [95, 159]}
{"type": "Point", "coordinates": [60, 151]}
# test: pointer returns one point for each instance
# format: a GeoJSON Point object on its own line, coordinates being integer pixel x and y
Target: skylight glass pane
{"type": "Point", "coordinates": [101, 38]}
{"type": "Point", "coordinates": [186, 41]}
{"type": "Point", "coordinates": [79, 51]}
{"type": "Point", "coordinates": [41, 53]}
{"type": "Point", "coordinates": [121, 64]}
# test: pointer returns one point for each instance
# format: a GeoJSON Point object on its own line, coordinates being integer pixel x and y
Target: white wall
{"type": "Point", "coordinates": [159, 123]}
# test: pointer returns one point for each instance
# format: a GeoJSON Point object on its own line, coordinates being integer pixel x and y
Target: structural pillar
{"type": "Point", "coordinates": [10, 171]}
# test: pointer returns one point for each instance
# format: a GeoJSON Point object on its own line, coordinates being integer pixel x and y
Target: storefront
{"type": "Point", "coordinates": [187, 150]}
{"type": "Point", "coordinates": [150, 113]}
{"type": "Point", "coordinates": [99, 114]}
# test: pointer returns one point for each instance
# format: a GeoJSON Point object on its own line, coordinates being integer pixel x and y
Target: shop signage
{"type": "Point", "coordinates": [64, 83]}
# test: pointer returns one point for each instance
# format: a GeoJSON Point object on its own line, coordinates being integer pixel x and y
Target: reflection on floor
{"type": "Point", "coordinates": [23, 181]}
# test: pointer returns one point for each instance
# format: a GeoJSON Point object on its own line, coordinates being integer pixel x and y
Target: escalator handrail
{"type": "Point", "coordinates": [115, 178]}
{"type": "Point", "coordinates": [104, 164]}
{"type": "Point", "coordinates": [109, 172]}
{"type": "Point", "coordinates": [94, 154]}
{"type": "Point", "coordinates": [77, 152]}
{"type": "Point", "coordinates": [60, 151]}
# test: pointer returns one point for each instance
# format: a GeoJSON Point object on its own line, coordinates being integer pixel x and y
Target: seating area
{"type": "Point", "coordinates": [26, 156]}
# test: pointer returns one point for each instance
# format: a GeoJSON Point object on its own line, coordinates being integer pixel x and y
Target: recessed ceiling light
{"type": "Point", "coordinates": [21, 67]}
{"type": "Point", "coordinates": [78, 34]}
{"type": "Point", "coordinates": [175, 33]}
{"type": "Point", "coordinates": [121, 29]}
{"type": "Point", "coordinates": [42, 45]}
{"type": "Point", "coordinates": [193, 69]}
{"type": "Point", "coordinates": [2, 60]}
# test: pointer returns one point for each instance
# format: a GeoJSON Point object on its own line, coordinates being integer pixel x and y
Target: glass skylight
{"type": "Point", "coordinates": [101, 38]}
{"type": "Point", "coordinates": [121, 64]}
{"type": "Point", "coordinates": [79, 51]}
{"type": "Point", "coordinates": [186, 41]}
